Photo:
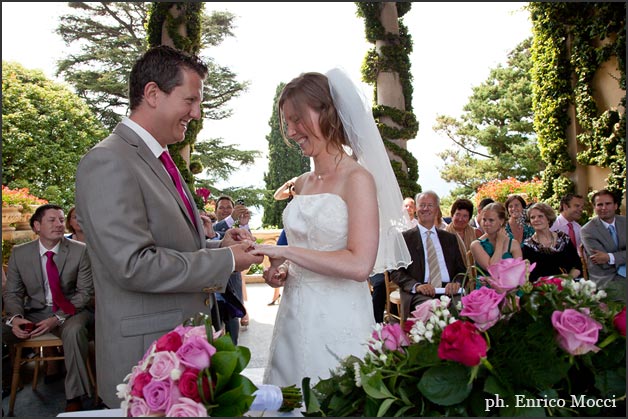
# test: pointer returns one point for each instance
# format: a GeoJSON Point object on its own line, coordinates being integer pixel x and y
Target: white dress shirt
{"type": "Point", "coordinates": [444, 273]}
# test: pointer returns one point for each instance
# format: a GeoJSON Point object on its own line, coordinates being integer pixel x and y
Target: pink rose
{"type": "Point", "coordinates": [620, 321]}
{"type": "Point", "coordinates": [424, 311]}
{"type": "Point", "coordinates": [182, 330]}
{"type": "Point", "coordinates": [196, 352]}
{"type": "Point", "coordinates": [186, 408]}
{"type": "Point", "coordinates": [163, 364]}
{"type": "Point", "coordinates": [157, 395]}
{"type": "Point", "coordinates": [577, 332]}
{"type": "Point", "coordinates": [393, 338]}
{"type": "Point", "coordinates": [558, 282]}
{"type": "Point", "coordinates": [139, 382]}
{"type": "Point", "coordinates": [169, 342]}
{"type": "Point", "coordinates": [461, 342]}
{"type": "Point", "coordinates": [482, 306]}
{"type": "Point", "coordinates": [188, 386]}
{"type": "Point", "coordinates": [196, 331]}
{"type": "Point", "coordinates": [138, 407]}
{"type": "Point", "coordinates": [508, 274]}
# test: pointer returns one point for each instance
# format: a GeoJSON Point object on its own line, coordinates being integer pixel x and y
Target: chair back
{"type": "Point", "coordinates": [393, 297]}
{"type": "Point", "coordinates": [471, 274]}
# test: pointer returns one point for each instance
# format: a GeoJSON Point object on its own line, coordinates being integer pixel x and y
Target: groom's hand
{"type": "Point", "coordinates": [243, 257]}
{"type": "Point", "coordinates": [236, 235]}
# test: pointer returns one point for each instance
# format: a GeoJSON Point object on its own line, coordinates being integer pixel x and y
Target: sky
{"type": "Point", "coordinates": [454, 47]}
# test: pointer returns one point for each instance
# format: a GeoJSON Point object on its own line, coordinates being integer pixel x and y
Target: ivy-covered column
{"type": "Point", "coordinates": [573, 44]}
{"type": "Point", "coordinates": [387, 67]}
{"type": "Point", "coordinates": [178, 24]}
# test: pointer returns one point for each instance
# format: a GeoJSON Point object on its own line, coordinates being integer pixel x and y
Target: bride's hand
{"type": "Point", "coordinates": [275, 275]}
{"type": "Point", "coordinates": [270, 250]}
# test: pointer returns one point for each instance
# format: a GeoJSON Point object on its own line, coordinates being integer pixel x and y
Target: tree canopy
{"type": "Point", "coordinates": [110, 36]}
{"type": "Point", "coordinates": [46, 129]}
{"type": "Point", "coordinates": [494, 137]}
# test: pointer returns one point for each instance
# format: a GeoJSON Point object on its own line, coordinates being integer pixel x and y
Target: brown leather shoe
{"type": "Point", "coordinates": [74, 405]}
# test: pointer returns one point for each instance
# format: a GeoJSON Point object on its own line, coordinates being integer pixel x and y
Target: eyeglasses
{"type": "Point", "coordinates": [430, 206]}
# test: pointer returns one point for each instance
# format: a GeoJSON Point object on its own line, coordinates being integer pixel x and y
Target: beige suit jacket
{"type": "Point", "coordinates": [151, 267]}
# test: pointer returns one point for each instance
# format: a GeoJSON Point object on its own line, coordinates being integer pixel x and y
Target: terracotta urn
{"type": "Point", "coordinates": [10, 215]}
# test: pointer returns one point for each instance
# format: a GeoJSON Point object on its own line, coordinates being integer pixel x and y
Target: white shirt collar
{"type": "Point", "coordinates": [423, 230]}
{"type": "Point", "coordinates": [146, 136]}
{"type": "Point", "coordinates": [43, 250]}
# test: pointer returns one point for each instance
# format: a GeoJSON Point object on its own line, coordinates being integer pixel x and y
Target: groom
{"type": "Point", "coordinates": [152, 265]}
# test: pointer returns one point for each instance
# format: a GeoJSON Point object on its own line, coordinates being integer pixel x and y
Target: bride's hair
{"type": "Point", "coordinates": [312, 90]}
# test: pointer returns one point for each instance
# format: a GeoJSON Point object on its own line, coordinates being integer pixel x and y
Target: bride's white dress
{"type": "Point", "coordinates": [321, 319]}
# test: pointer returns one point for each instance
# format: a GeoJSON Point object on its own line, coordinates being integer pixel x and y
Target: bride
{"type": "Point", "coordinates": [343, 225]}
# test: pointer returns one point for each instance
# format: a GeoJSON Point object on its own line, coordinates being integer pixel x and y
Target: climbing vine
{"type": "Point", "coordinates": [394, 57]}
{"type": "Point", "coordinates": [575, 39]}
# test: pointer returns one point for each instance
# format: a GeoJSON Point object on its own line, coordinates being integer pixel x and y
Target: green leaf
{"type": "Point", "coordinates": [223, 364]}
{"type": "Point", "coordinates": [383, 408]}
{"type": "Point", "coordinates": [224, 343]}
{"type": "Point", "coordinates": [309, 398]}
{"type": "Point", "coordinates": [375, 387]}
{"type": "Point", "coordinates": [446, 384]}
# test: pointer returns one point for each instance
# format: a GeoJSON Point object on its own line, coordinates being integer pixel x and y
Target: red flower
{"type": "Point", "coordinates": [140, 382]}
{"type": "Point", "coordinates": [462, 342]}
{"type": "Point", "coordinates": [188, 386]}
{"type": "Point", "coordinates": [169, 342]}
{"type": "Point", "coordinates": [407, 325]}
{"type": "Point", "coordinates": [620, 321]}
{"type": "Point", "coordinates": [549, 280]}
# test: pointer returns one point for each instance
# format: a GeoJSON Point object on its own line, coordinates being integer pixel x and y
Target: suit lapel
{"type": "Point", "coordinates": [158, 169]}
{"type": "Point", "coordinates": [603, 232]}
{"type": "Point", "coordinates": [62, 257]}
{"type": "Point", "coordinates": [35, 262]}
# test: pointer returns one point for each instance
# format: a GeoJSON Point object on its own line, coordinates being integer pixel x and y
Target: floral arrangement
{"type": "Point", "coordinates": [500, 189]}
{"type": "Point", "coordinates": [553, 348]}
{"type": "Point", "coordinates": [194, 371]}
{"type": "Point", "coordinates": [19, 197]}
{"type": "Point", "coordinates": [203, 193]}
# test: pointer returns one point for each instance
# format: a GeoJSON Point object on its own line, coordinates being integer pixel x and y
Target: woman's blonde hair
{"type": "Point", "coordinates": [312, 90]}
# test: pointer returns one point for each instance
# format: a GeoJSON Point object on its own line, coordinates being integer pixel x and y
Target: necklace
{"type": "Point", "coordinates": [543, 241]}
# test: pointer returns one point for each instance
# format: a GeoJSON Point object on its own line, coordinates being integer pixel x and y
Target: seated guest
{"type": "Point", "coordinates": [58, 289]}
{"type": "Point", "coordinates": [410, 206]}
{"type": "Point", "coordinates": [436, 258]}
{"type": "Point", "coordinates": [571, 207]}
{"type": "Point", "coordinates": [231, 215]}
{"type": "Point", "coordinates": [461, 211]}
{"type": "Point", "coordinates": [71, 223]}
{"type": "Point", "coordinates": [517, 226]}
{"type": "Point", "coordinates": [604, 239]}
{"type": "Point", "coordinates": [477, 220]}
{"type": "Point", "coordinates": [495, 244]}
{"type": "Point", "coordinates": [552, 251]}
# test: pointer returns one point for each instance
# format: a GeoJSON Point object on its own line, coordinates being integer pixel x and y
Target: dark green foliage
{"type": "Point", "coordinates": [46, 129]}
{"type": "Point", "coordinates": [284, 163]}
{"type": "Point", "coordinates": [494, 137]}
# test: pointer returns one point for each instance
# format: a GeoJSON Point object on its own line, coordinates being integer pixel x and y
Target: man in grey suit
{"type": "Point", "coordinates": [153, 267]}
{"type": "Point", "coordinates": [604, 239]}
{"type": "Point", "coordinates": [417, 282]}
{"type": "Point", "coordinates": [31, 296]}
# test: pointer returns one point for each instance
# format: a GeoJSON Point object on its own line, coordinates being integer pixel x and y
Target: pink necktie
{"type": "Point", "coordinates": [176, 178]}
{"type": "Point", "coordinates": [572, 234]}
{"type": "Point", "coordinates": [58, 299]}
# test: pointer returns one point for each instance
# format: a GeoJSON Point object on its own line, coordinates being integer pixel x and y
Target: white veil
{"type": "Point", "coordinates": [366, 142]}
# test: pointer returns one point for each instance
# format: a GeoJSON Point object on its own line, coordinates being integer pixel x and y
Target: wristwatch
{"type": "Point", "coordinates": [61, 319]}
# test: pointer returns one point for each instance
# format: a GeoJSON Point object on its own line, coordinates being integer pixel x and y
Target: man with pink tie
{"type": "Point", "coordinates": [49, 287]}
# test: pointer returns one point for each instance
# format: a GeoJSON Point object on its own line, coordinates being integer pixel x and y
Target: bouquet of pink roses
{"type": "Point", "coordinates": [193, 371]}
{"type": "Point", "coordinates": [556, 347]}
